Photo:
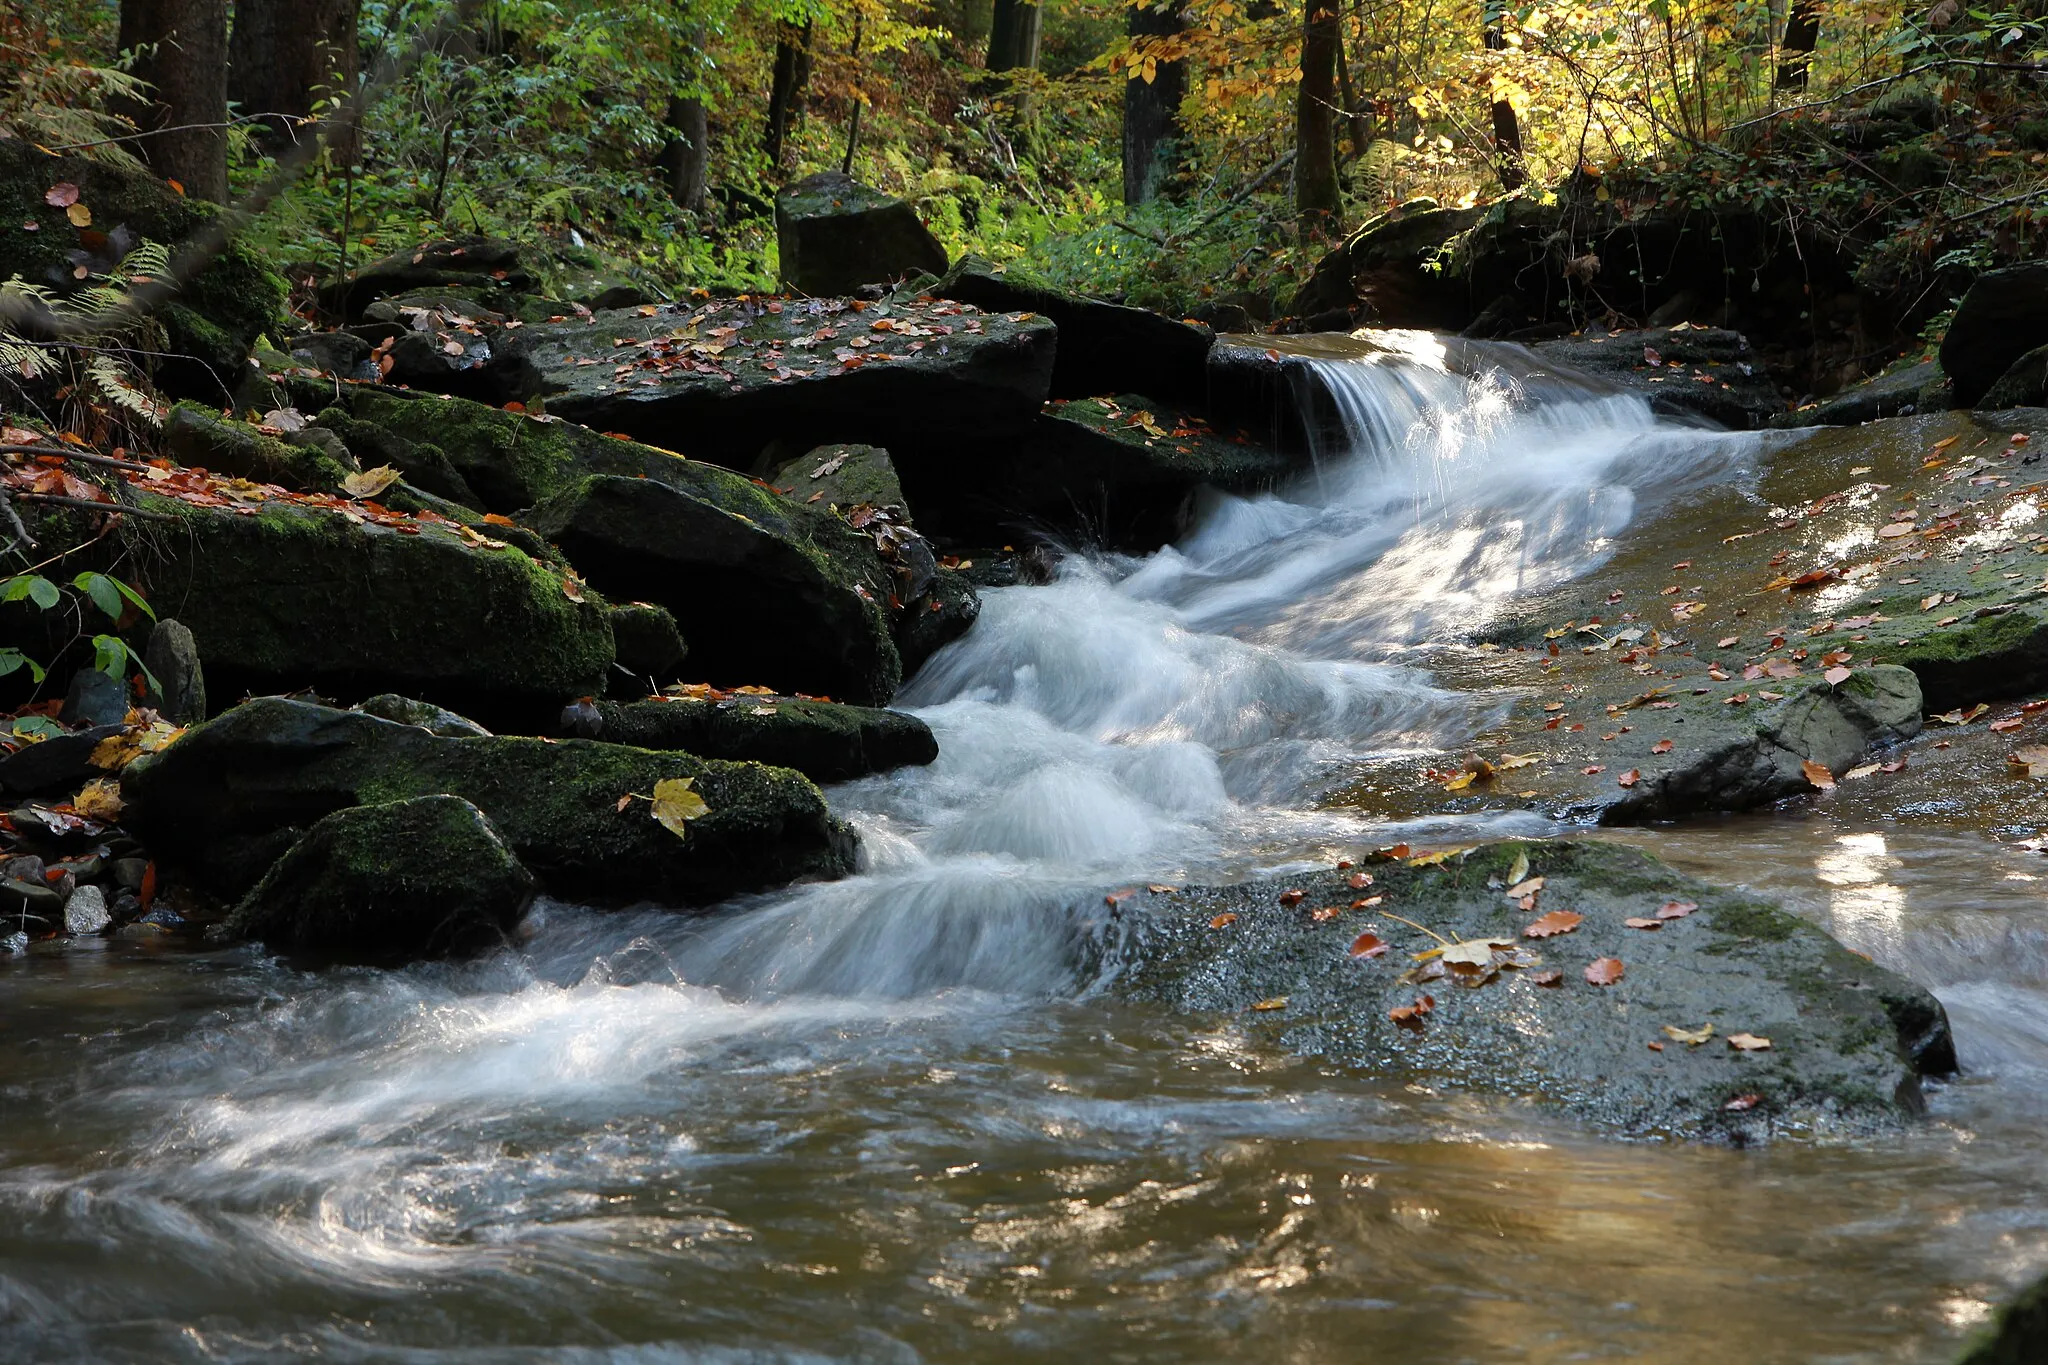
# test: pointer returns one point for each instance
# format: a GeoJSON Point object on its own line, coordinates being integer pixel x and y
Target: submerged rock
{"type": "Point", "coordinates": [1848, 1041]}
{"type": "Point", "coordinates": [287, 596]}
{"type": "Point", "coordinates": [224, 802]}
{"type": "Point", "coordinates": [1103, 347]}
{"type": "Point", "coordinates": [825, 741]}
{"type": "Point", "coordinates": [834, 234]}
{"type": "Point", "coordinates": [426, 877]}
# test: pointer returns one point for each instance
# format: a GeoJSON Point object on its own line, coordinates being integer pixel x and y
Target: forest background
{"type": "Point", "coordinates": [1197, 158]}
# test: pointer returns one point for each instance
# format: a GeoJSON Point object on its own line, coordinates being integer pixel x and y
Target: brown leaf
{"type": "Point", "coordinates": [1675, 909]}
{"type": "Point", "coordinates": [1836, 676]}
{"type": "Point", "coordinates": [1662, 746]}
{"type": "Point", "coordinates": [1629, 778]}
{"type": "Point", "coordinates": [1368, 945]}
{"type": "Point", "coordinates": [1748, 1042]}
{"type": "Point", "coordinates": [1638, 922]}
{"type": "Point", "coordinates": [1358, 881]}
{"type": "Point", "coordinates": [1547, 978]}
{"type": "Point", "coordinates": [61, 195]}
{"type": "Point", "coordinates": [1116, 898]}
{"type": "Point", "coordinates": [1604, 971]}
{"type": "Point", "coordinates": [1410, 1016]}
{"type": "Point", "coordinates": [1818, 774]}
{"type": "Point", "coordinates": [1224, 920]}
{"type": "Point", "coordinates": [1552, 924]}
{"type": "Point", "coordinates": [1744, 1102]}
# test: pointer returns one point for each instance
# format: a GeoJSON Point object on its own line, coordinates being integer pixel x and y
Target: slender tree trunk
{"type": "Point", "coordinates": [1507, 129]}
{"type": "Point", "coordinates": [1316, 192]}
{"type": "Point", "coordinates": [1013, 36]}
{"type": "Point", "coordinates": [786, 93]}
{"type": "Point", "coordinates": [1152, 131]}
{"type": "Point", "coordinates": [1354, 113]}
{"type": "Point", "coordinates": [184, 56]}
{"type": "Point", "coordinates": [687, 154]}
{"type": "Point", "coordinates": [1802, 36]}
{"type": "Point", "coordinates": [285, 54]}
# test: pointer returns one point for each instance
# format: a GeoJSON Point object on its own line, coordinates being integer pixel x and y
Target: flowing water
{"type": "Point", "coordinates": [891, 1118]}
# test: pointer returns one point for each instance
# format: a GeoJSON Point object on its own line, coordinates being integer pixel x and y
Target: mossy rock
{"type": "Point", "coordinates": [1849, 1040]}
{"type": "Point", "coordinates": [835, 234]}
{"type": "Point", "coordinates": [947, 611]}
{"type": "Point", "coordinates": [210, 324]}
{"type": "Point", "coordinates": [825, 741]}
{"type": "Point", "coordinates": [2018, 1335]}
{"type": "Point", "coordinates": [649, 643]}
{"type": "Point", "coordinates": [426, 877]}
{"type": "Point", "coordinates": [481, 267]}
{"type": "Point", "coordinates": [282, 595]}
{"type": "Point", "coordinates": [840, 476]}
{"type": "Point", "coordinates": [198, 436]}
{"type": "Point", "coordinates": [225, 801]}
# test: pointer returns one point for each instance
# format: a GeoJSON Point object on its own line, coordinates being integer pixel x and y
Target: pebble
{"type": "Point", "coordinates": [86, 911]}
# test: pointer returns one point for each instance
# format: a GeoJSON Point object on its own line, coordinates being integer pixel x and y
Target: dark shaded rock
{"type": "Point", "coordinates": [439, 309]}
{"type": "Point", "coordinates": [1716, 375]}
{"type": "Point", "coordinates": [28, 904]}
{"type": "Point", "coordinates": [209, 324]}
{"type": "Point", "coordinates": [231, 796]}
{"type": "Point", "coordinates": [296, 596]}
{"type": "Point", "coordinates": [484, 264]}
{"type": "Point", "coordinates": [341, 354]}
{"type": "Point", "coordinates": [825, 741]}
{"type": "Point", "coordinates": [484, 363]}
{"type": "Point", "coordinates": [760, 600]}
{"type": "Point", "coordinates": [648, 641]}
{"type": "Point", "coordinates": [1381, 272]}
{"type": "Point", "coordinates": [435, 720]}
{"type": "Point", "coordinates": [2017, 1336]}
{"type": "Point", "coordinates": [939, 375]}
{"type": "Point", "coordinates": [426, 877]}
{"type": "Point", "coordinates": [95, 698]}
{"type": "Point", "coordinates": [2025, 385]}
{"type": "Point", "coordinates": [1894, 394]}
{"type": "Point", "coordinates": [197, 435]}
{"type": "Point", "coordinates": [60, 762]}
{"type": "Point", "coordinates": [947, 611]}
{"type": "Point", "coordinates": [422, 463]}
{"type": "Point", "coordinates": [2002, 317]}
{"type": "Point", "coordinates": [595, 289]}
{"type": "Point", "coordinates": [1103, 347]}
{"type": "Point", "coordinates": [842, 476]}
{"type": "Point", "coordinates": [1849, 1039]}
{"type": "Point", "coordinates": [834, 234]}
{"type": "Point", "coordinates": [172, 658]}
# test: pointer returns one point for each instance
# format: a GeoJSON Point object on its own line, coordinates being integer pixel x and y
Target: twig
{"type": "Point", "coordinates": [1156, 238]}
{"type": "Point", "coordinates": [176, 128]}
{"type": "Point", "coordinates": [111, 508]}
{"type": "Point", "coordinates": [2015, 68]}
{"type": "Point", "coordinates": [1999, 204]}
{"type": "Point", "coordinates": [86, 456]}
{"type": "Point", "coordinates": [14, 520]}
{"type": "Point", "coordinates": [1246, 192]}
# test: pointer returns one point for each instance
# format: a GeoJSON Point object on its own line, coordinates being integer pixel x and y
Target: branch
{"type": "Point", "coordinates": [1998, 204]}
{"type": "Point", "coordinates": [2017, 68]}
{"type": "Point", "coordinates": [84, 456]}
{"type": "Point", "coordinates": [1250, 188]}
{"type": "Point", "coordinates": [21, 535]}
{"type": "Point", "coordinates": [120, 509]}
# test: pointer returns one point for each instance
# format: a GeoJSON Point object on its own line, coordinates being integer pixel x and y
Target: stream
{"type": "Point", "coordinates": [893, 1119]}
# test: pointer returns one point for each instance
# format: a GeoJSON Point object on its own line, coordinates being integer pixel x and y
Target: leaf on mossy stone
{"type": "Point", "coordinates": [80, 215]}
{"type": "Point", "coordinates": [369, 483]}
{"type": "Point", "coordinates": [676, 804]}
{"type": "Point", "coordinates": [61, 195]}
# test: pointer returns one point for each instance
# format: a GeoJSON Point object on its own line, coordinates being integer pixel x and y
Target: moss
{"type": "Point", "coordinates": [1749, 919]}
{"type": "Point", "coordinates": [197, 435]}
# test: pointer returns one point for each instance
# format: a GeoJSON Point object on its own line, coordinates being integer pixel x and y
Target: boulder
{"type": "Point", "coordinates": [1684, 371]}
{"type": "Point", "coordinates": [229, 797]}
{"type": "Point", "coordinates": [1103, 347]}
{"type": "Point", "coordinates": [395, 882]}
{"type": "Point", "coordinates": [1896, 393]}
{"type": "Point", "coordinates": [435, 720]}
{"type": "Point", "coordinates": [2024, 385]}
{"type": "Point", "coordinates": [729, 378]}
{"type": "Point", "coordinates": [198, 436]}
{"type": "Point", "coordinates": [2018, 1335]}
{"type": "Point", "coordinates": [59, 763]}
{"type": "Point", "coordinates": [766, 593]}
{"type": "Point", "coordinates": [281, 594]}
{"type": "Point", "coordinates": [648, 641]}
{"type": "Point", "coordinates": [948, 610]}
{"type": "Point", "coordinates": [840, 476]}
{"type": "Point", "coordinates": [2002, 316]}
{"type": "Point", "coordinates": [209, 324]}
{"type": "Point", "coordinates": [486, 265]}
{"type": "Point", "coordinates": [1848, 1040]}
{"type": "Point", "coordinates": [172, 658]}
{"type": "Point", "coordinates": [834, 234]}
{"type": "Point", "coordinates": [95, 698]}
{"type": "Point", "coordinates": [825, 741]}
{"type": "Point", "coordinates": [1382, 271]}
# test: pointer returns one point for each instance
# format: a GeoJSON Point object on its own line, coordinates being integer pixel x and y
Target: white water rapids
{"type": "Point", "coordinates": [871, 1120]}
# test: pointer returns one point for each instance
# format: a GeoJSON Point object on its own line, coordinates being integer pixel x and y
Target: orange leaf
{"type": "Point", "coordinates": [1818, 775]}
{"type": "Point", "coordinates": [1368, 945]}
{"type": "Point", "coordinates": [1292, 897]}
{"type": "Point", "coordinates": [1224, 920]}
{"type": "Point", "coordinates": [1554, 923]}
{"type": "Point", "coordinates": [1637, 922]}
{"type": "Point", "coordinates": [1662, 746]}
{"type": "Point", "coordinates": [1604, 971]}
{"type": "Point", "coordinates": [1675, 909]}
{"type": "Point", "coordinates": [1410, 1016]}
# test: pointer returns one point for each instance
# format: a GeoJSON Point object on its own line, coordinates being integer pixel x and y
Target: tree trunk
{"type": "Point", "coordinates": [286, 54]}
{"type": "Point", "coordinates": [185, 59]}
{"type": "Point", "coordinates": [1152, 130]}
{"type": "Point", "coordinates": [688, 153]}
{"type": "Point", "coordinates": [1507, 129]}
{"type": "Point", "coordinates": [786, 94]}
{"type": "Point", "coordinates": [1013, 36]}
{"type": "Point", "coordinates": [1802, 36]}
{"type": "Point", "coordinates": [1316, 192]}
{"type": "Point", "coordinates": [1354, 112]}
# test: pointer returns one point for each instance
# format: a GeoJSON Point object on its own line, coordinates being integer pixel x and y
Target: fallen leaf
{"type": "Point", "coordinates": [1547, 978]}
{"type": "Point", "coordinates": [61, 195]}
{"type": "Point", "coordinates": [1604, 971]}
{"type": "Point", "coordinates": [1675, 909]}
{"type": "Point", "coordinates": [1836, 676]}
{"type": "Point", "coordinates": [369, 483]}
{"type": "Point", "coordinates": [1743, 1102]}
{"type": "Point", "coordinates": [99, 799]}
{"type": "Point", "coordinates": [1278, 1002]}
{"type": "Point", "coordinates": [1592, 768]}
{"type": "Point", "coordinates": [1161, 889]}
{"type": "Point", "coordinates": [1662, 746]}
{"type": "Point", "coordinates": [676, 804]}
{"type": "Point", "coordinates": [1288, 898]}
{"type": "Point", "coordinates": [1818, 775]}
{"type": "Point", "coordinates": [80, 215]}
{"type": "Point", "coordinates": [1517, 870]}
{"type": "Point", "coordinates": [1358, 881]}
{"type": "Point", "coordinates": [1368, 945]}
{"type": "Point", "coordinates": [1552, 924]}
{"type": "Point", "coordinates": [1629, 778]}
{"type": "Point", "coordinates": [1638, 922]}
{"type": "Point", "coordinates": [1116, 898]}
{"type": "Point", "coordinates": [2030, 760]}
{"type": "Point", "coordinates": [1410, 1016]}
{"type": "Point", "coordinates": [1224, 920]}
{"type": "Point", "coordinates": [1748, 1042]}
{"type": "Point", "coordinates": [2009, 723]}
{"type": "Point", "coordinates": [1323, 914]}
{"type": "Point", "coordinates": [1527, 887]}
{"type": "Point", "coordinates": [1691, 1037]}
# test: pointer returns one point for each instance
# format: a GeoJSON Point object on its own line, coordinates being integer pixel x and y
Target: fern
{"type": "Point", "coordinates": [100, 358]}
{"type": "Point", "coordinates": [62, 104]}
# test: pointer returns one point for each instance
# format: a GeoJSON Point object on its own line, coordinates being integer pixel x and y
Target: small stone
{"type": "Point", "coordinates": [95, 698]}
{"type": "Point", "coordinates": [86, 911]}
{"type": "Point", "coordinates": [16, 942]}
{"type": "Point", "coordinates": [129, 872]}
{"type": "Point", "coordinates": [26, 868]}
{"type": "Point", "coordinates": [173, 657]}
{"type": "Point", "coordinates": [19, 897]}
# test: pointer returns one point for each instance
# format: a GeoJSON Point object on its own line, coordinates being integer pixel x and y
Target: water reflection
{"type": "Point", "coordinates": [1865, 910]}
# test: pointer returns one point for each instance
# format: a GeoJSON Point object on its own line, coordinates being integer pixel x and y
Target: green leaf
{"type": "Point", "coordinates": [112, 657]}
{"type": "Point", "coordinates": [102, 591]}
{"type": "Point", "coordinates": [34, 587]}
{"type": "Point", "coordinates": [13, 660]}
{"type": "Point", "coordinates": [136, 598]}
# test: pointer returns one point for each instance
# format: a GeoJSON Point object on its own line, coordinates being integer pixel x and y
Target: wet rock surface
{"type": "Point", "coordinates": [1684, 371]}
{"type": "Point", "coordinates": [427, 877]}
{"type": "Point", "coordinates": [2002, 316]}
{"type": "Point", "coordinates": [1848, 1040]}
{"type": "Point", "coordinates": [825, 741]}
{"type": "Point", "coordinates": [231, 796]}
